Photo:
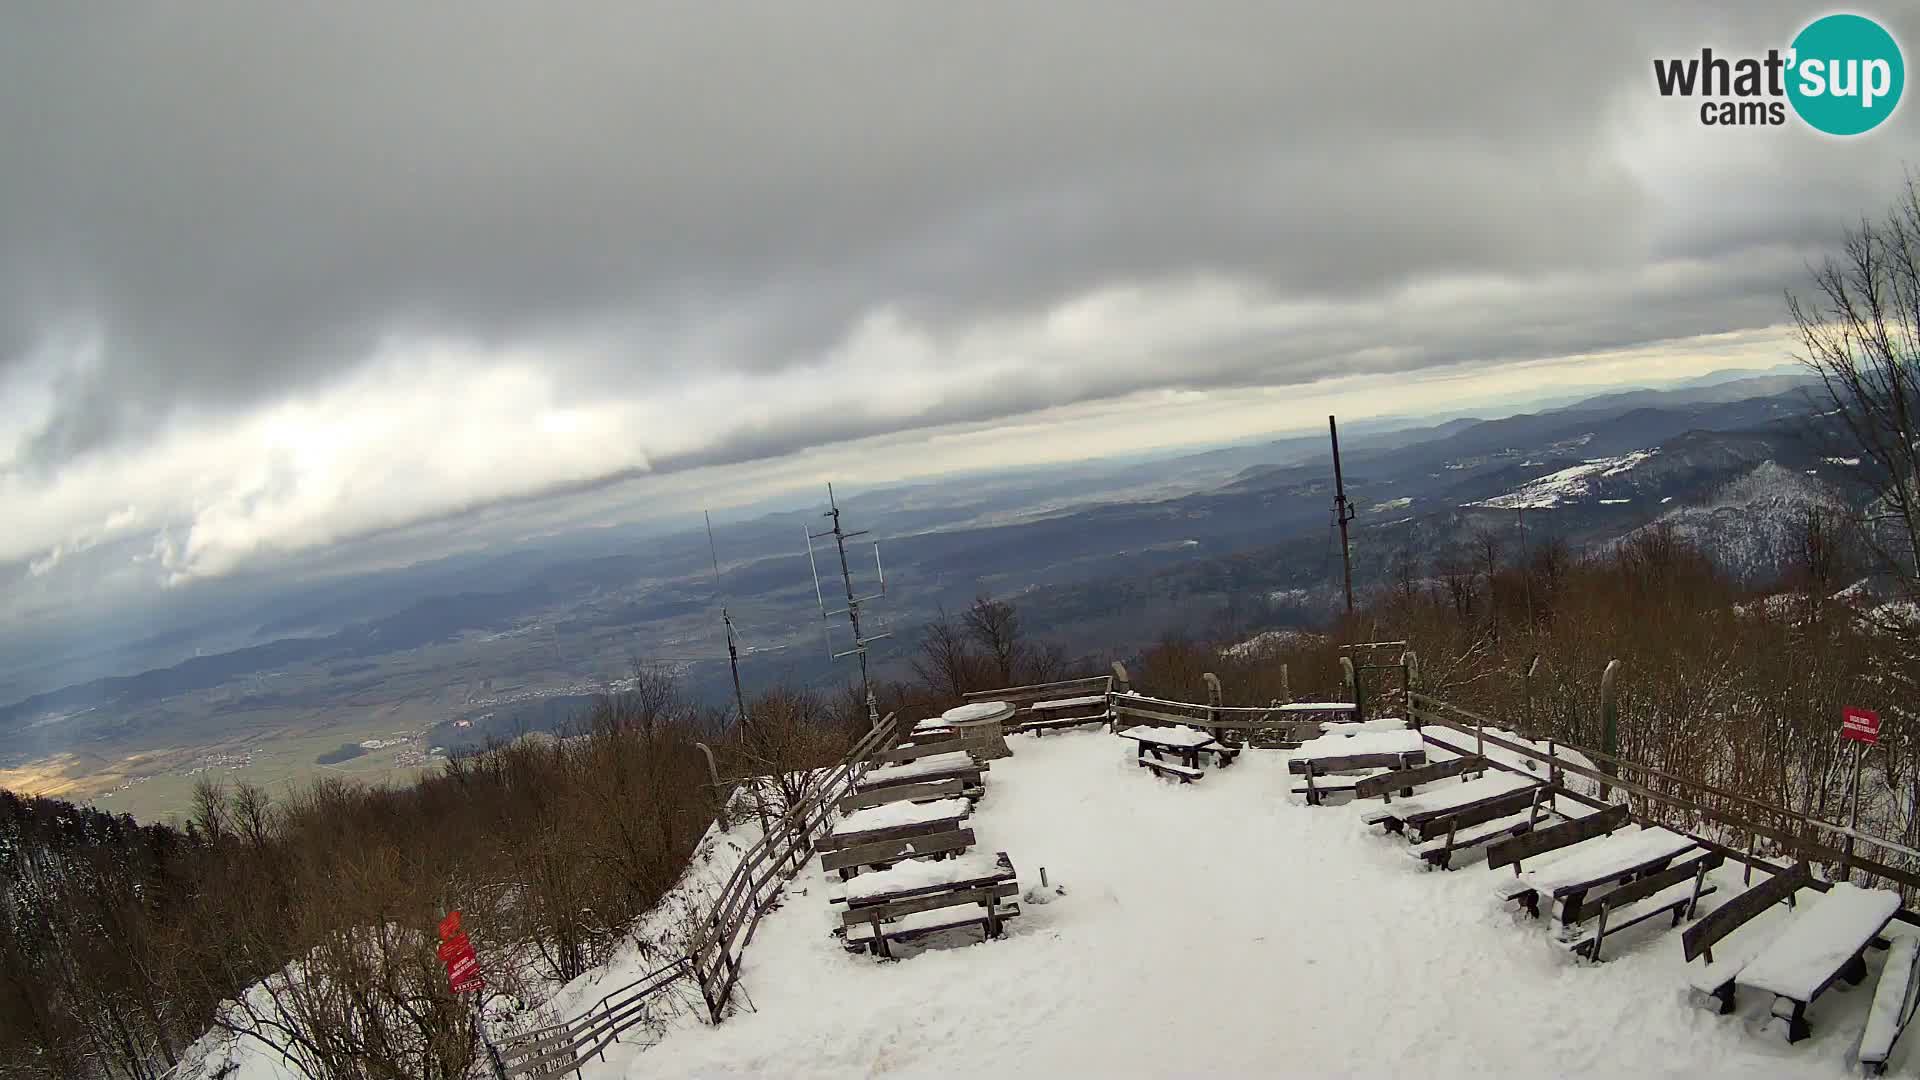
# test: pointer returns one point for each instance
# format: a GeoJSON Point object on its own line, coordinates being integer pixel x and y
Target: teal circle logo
{"type": "Point", "coordinates": [1846, 74]}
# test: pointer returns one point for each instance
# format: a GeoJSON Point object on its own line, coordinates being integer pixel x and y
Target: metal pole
{"type": "Point", "coordinates": [1343, 511]}
{"type": "Point", "coordinates": [1853, 818]}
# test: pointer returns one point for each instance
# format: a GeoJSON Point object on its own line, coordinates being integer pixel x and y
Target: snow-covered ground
{"type": "Point", "coordinates": [1223, 928]}
{"type": "Point", "coordinates": [1567, 485]}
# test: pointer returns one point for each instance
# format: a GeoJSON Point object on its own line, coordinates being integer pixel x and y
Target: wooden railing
{"type": "Point", "coordinates": [713, 958]}
{"type": "Point", "coordinates": [1024, 698]}
{"type": "Point", "coordinates": [1727, 821]}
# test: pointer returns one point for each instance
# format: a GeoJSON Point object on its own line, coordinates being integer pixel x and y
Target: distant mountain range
{"type": "Point", "coordinates": [1101, 555]}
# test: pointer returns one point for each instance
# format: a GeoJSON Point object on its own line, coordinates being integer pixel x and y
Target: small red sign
{"type": "Point", "coordinates": [1860, 725]}
{"type": "Point", "coordinates": [471, 981]}
{"type": "Point", "coordinates": [450, 925]}
{"type": "Point", "coordinates": [450, 949]}
{"type": "Point", "coordinates": [462, 967]}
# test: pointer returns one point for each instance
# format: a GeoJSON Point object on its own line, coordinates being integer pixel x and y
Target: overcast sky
{"type": "Point", "coordinates": [276, 277]}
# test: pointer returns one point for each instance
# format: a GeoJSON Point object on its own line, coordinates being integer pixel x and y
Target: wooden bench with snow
{"type": "Point", "coordinates": [911, 878]}
{"type": "Point", "coordinates": [848, 861]}
{"type": "Point", "coordinates": [1060, 713]}
{"type": "Point", "coordinates": [1360, 749]}
{"type": "Point", "coordinates": [1676, 891]}
{"type": "Point", "coordinates": [929, 768]}
{"type": "Point", "coordinates": [1615, 859]}
{"type": "Point", "coordinates": [930, 791]}
{"type": "Point", "coordinates": [1574, 831]}
{"type": "Point", "coordinates": [872, 927]}
{"type": "Point", "coordinates": [895, 821]}
{"type": "Point", "coordinates": [1404, 781]}
{"type": "Point", "coordinates": [1894, 1000]}
{"type": "Point", "coordinates": [1486, 823]}
{"type": "Point", "coordinates": [1493, 795]}
{"type": "Point", "coordinates": [1820, 944]}
{"type": "Point", "coordinates": [1185, 742]}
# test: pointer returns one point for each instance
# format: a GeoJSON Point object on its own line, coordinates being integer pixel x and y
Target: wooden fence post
{"type": "Point", "coordinates": [1609, 724]}
{"type": "Point", "coordinates": [1526, 681]}
{"type": "Point", "coordinates": [1352, 679]}
{"type": "Point", "coordinates": [1120, 678]}
{"type": "Point", "coordinates": [1214, 699]}
{"type": "Point", "coordinates": [1410, 667]}
{"type": "Point", "coordinates": [1286, 686]}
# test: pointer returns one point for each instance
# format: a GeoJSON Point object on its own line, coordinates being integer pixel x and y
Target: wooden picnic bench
{"type": "Point", "coordinates": [1185, 742]}
{"type": "Point", "coordinates": [1894, 1000]}
{"type": "Point", "coordinates": [1820, 945]}
{"type": "Point", "coordinates": [1617, 858]}
{"type": "Point", "coordinates": [1513, 852]}
{"type": "Point", "coordinates": [847, 861]}
{"type": "Point", "coordinates": [1053, 715]}
{"type": "Point", "coordinates": [873, 926]}
{"type": "Point", "coordinates": [880, 796]}
{"type": "Point", "coordinates": [1661, 893]}
{"type": "Point", "coordinates": [1493, 795]}
{"type": "Point", "coordinates": [949, 765]}
{"type": "Point", "coordinates": [1404, 781]}
{"type": "Point", "coordinates": [920, 877]}
{"type": "Point", "coordinates": [1475, 825]}
{"type": "Point", "coordinates": [895, 821]}
{"type": "Point", "coordinates": [1317, 770]}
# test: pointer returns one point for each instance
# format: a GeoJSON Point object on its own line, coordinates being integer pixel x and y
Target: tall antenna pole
{"type": "Point", "coordinates": [1343, 510]}
{"type": "Point", "coordinates": [733, 648]}
{"type": "Point", "coordinates": [852, 610]}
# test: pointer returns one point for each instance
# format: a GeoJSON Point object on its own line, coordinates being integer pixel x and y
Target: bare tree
{"type": "Point", "coordinates": [943, 661]}
{"type": "Point", "coordinates": [995, 627]}
{"type": "Point", "coordinates": [1860, 334]}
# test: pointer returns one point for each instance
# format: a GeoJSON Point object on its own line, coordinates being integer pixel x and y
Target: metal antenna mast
{"type": "Point", "coordinates": [852, 610]}
{"type": "Point", "coordinates": [1343, 510]}
{"type": "Point", "coordinates": [733, 647]}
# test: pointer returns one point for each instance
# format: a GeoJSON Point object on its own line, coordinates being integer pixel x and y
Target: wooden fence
{"type": "Point", "coordinates": [713, 958]}
{"type": "Point", "coordinates": [1726, 821]}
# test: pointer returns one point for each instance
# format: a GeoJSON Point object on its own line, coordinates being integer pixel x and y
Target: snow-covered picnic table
{"type": "Point", "coordinates": [1495, 791]}
{"type": "Point", "coordinates": [1188, 743]}
{"type": "Point", "coordinates": [957, 763]}
{"type": "Point", "coordinates": [1820, 941]}
{"type": "Point", "coordinates": [1595, 862]}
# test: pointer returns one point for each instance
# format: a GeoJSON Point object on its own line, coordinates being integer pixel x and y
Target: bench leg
{"type": "Point", "coordinates": [1724, 995]}
{"type": "Point", "coordinates": [1856, 969]}
{"type": "Point", "coordinates": [1530, 901]}
{"type": "Point", "coordinates": [1797, 1027]}
{"type": "Point", "coordinates": [1570, 908]}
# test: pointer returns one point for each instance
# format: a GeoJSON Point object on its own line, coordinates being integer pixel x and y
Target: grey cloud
{"type": "Point", "coordinates": [244, 200]}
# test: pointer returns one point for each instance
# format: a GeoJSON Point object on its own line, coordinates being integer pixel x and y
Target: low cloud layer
{"type": "Point", "coordinates": [277, 278]}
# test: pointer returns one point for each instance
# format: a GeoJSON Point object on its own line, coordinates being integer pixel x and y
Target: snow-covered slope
{"type": "Point", "coordinates": [1223, 928]}
{"type": "Point", "coordinates": [1751, 526]}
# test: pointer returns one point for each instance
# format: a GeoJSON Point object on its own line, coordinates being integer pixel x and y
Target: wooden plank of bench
{"type": "Point", "coordinates": [1439, 851]}
{"type": "Point", "coordinates": [903, 754]}
{"type": "Point", "coordinates": [1387, 783]}
{"type": "Point", "coordinates": [1894, 999]}
{"type": "Point", "coordinates": [1168, 768]}
{"type": "Point", "coordinates": [1427, 824]}
{"type": "Point", "coordinates": [862, 936]}
{"type": "Point", "coordinates": [1541, 841]}
{"type": "Point", "coordinates": [921, 792]}
{"type": "Point", "coordinates": [887, 851]}
{"type": "Point", "coordinates": [931, 902]}
{"type": "Point", "coordinates": [1405, 759]}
